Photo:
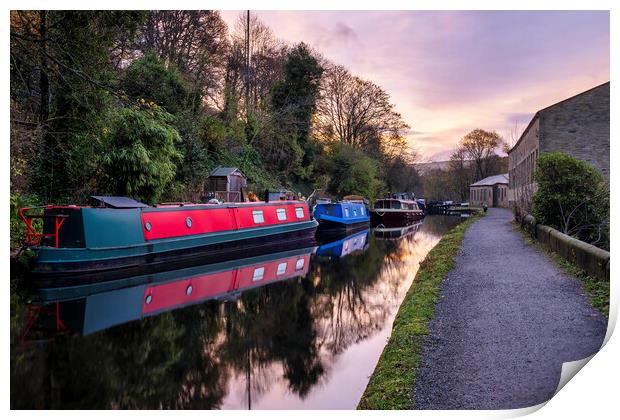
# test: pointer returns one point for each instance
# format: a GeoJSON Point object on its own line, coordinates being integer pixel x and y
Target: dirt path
{"type": "Point", "coordinates": [507, 320]}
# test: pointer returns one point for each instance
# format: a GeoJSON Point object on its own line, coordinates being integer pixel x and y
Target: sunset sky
{"type": "Point", "coordinates": [450, 72]}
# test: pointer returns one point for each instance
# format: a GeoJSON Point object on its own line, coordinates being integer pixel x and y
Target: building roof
{"type": "Point", "coordinates": [224, 171]}
{"type": "Point", "coordinates": [551, 106]}
{"type": "Point", "coordinates": [491, 180]}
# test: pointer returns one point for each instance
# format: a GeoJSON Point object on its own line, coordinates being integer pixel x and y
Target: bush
{"type": "Point", "coordinates": [353, 173]}
{"type": "Point", "coordinates": [141, 155]}
{"type": "Point", "coordinates": [572, 197]}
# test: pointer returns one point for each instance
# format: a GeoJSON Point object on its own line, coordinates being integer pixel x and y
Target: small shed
{"type": "Point", "coordinates": [227, 184]}
{"type": "Point", "coordinates": [491, 191]}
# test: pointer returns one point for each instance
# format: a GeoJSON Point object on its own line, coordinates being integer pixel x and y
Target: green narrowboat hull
{"type": "Point", "coordinates": [67, 262]}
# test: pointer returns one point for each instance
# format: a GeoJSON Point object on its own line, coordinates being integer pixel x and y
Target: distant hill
{"type": "Point", "coordinates": [426, 167]}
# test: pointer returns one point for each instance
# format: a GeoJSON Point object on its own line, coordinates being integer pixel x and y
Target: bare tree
{"type": "Point", "coordinates": [358, 112]}
{"type": "Point", "coordinates": [479, 147]}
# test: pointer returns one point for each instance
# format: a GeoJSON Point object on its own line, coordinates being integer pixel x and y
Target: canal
{"type": "Point", "coordinates": [298, 328]}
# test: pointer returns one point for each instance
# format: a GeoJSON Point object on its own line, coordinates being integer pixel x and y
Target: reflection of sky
{"type": "Point", "coordinates": [450, 72]}
{"type": "Point", "coordinates": [348, 371]}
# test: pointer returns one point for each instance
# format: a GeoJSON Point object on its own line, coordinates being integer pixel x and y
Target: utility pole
{"type": "Point", "coordinates": [247, 66]}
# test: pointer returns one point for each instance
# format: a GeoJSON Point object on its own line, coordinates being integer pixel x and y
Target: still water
{"type": "Point", "coordinates": [298, 328]}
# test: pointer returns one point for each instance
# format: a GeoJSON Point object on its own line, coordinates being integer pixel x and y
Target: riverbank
{"type": "Point", "coordinates": [394, 376]}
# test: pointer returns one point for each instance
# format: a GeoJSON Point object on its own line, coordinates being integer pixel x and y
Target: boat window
{"type": "Point", "coordinates": [299, 211]}
{"type": "Point", "coordinates": [299, 264]}
{"type": "Point", "coordinates": [362, 211]}
{"type": "Point", "coordinates": [281, 214]}
{"type": "Point", "coordinates": [281, 269]}
{"type": "Point", "coordinates": [354, 212]}
{"type": "Point", "coordinates": [396, 204]}
{"type": "Point", "coordinates": [346, 212]}
{"type": "Point", "coordinates": [258, 216]}
{"type": "Point", "coordinates": [259, 273]}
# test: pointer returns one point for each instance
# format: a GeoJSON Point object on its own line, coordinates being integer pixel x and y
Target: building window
{"type": "Point", "coordinates": [259, 273]}
{"type": "Point", "coordinates": [281, 269]}
{"type": "Point", "coordinates": [258, 216]}
{"type": "Point", "coordinates": [299, 211]}
{"type": "Point", "coordinates": [281, 214]}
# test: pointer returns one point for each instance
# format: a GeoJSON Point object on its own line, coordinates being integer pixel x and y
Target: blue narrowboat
{"type": "Point", "coordinates": [341, 215]}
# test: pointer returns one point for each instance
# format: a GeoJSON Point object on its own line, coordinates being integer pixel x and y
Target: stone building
{"type": "Point", "coordinates": [492, 191]}
{"type": "Point", "coordinates": [578, 126]}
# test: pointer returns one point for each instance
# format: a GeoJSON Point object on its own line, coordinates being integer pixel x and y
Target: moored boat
{"type": "Point", "coordinates": [342, 215]}
{"type": "Point", "coordinates": [125, 233]}
{"type": "Point", "coordinates": [399, 209]}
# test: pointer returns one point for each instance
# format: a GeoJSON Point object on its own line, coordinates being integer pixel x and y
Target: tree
{"type": "Point", "coordinates": [572, 197]}
{"type": "Point", "coordinates": [62, 84]}
{"type": "Point", "coordinates": [357, 112]}
{"type": "Point", "coordinates": [479, 147]}
{"type": "Point", "coordinates": [149, 78]}
{"type": "Point", "coordinates": [294, 98]}
{"type": "Point", "coordinates": [461, 172]}
{"type": "Point", "coordinates": [193, 41]}
{"type": "Point", "coordinates": [141, 157]}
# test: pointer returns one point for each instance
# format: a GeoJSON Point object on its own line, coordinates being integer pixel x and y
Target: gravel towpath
{"type": "Point", "coordinates": [507, 319]}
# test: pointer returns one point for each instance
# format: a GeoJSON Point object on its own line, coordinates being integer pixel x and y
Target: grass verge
{"type": "Point", "coordinates": [596, 289]}
{"type": "Point", "coordinates": [391, 384]}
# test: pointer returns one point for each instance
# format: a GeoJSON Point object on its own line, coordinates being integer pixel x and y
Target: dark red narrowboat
{"type": "Point", "coordinates": [395, 210]}
{"type": "Point", "coordinates": [123, 233]}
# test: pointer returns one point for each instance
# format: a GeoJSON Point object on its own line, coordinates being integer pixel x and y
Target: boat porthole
{"type": "Point", "coordinates": [189, 290]}
{"type": "Point", "coordinates": [148, 299]}
{"type": "Point", "coordinates": [188, 222]}
{"type": "Point", "coordinates": [147, 226]}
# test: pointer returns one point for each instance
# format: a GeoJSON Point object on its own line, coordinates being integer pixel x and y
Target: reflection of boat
{"type": "Point", "coordinates": [124, 233]}
{"type": "Point", "coordinates": [88, 309]}
{"type": "Point", "coordinates": [391, 231]}
{"type": "Point", "coordinates": [397, 209]}
{"type": "Point", "coordinates": [358, 242]}
{"type": "Point", "coordinates": [344, 215]}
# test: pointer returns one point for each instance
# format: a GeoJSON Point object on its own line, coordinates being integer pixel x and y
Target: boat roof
{"type": "Point", "coordinates": [491, 180]}
{"type": "Point", "coordinates": [118, 202]}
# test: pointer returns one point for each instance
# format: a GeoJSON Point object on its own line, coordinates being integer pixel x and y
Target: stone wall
{"type": "Point", "coordinates": [579, 126]}
{"type": "Point", "coordinates": [521, 165]}
{"type": "Point", "coordinates": [592, 260]}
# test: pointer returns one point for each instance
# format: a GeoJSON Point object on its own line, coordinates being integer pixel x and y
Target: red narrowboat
{"type": "Point", "coordinates": [122, 233]}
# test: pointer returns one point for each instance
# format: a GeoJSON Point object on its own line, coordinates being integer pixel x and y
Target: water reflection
{"type": "Point", "coordinates": [299, 328]}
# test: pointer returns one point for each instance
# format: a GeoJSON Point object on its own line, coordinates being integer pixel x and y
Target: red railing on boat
{"type": "Point", "coordinates": [32, 236]}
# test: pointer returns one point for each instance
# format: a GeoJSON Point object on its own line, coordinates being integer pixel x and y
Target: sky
{"type": "Point", "coordinates": [448, 72]}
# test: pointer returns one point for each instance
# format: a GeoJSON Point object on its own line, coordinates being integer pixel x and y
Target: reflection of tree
{"type": "Point", "coordinates": [270, 325]}
{"type": "Point", "coordinates": [143, 364]}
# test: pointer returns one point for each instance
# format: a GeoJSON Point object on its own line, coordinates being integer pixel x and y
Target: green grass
{"type": "Point", "coordinates": [596, 289]}
{"type": "Point", "coordinates": [391, 384]}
